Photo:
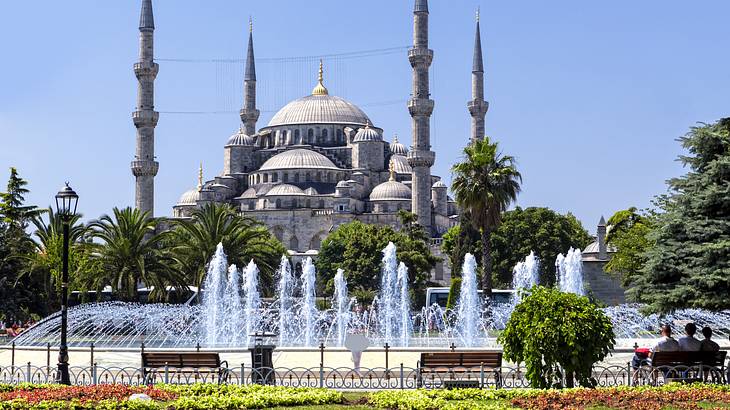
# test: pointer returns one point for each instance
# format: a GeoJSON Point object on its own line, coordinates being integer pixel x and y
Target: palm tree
{"type": "Point", "coordinates": [45, 262]}
{"type": "Point", "coordinates": [194, 242]}
{"type": "Point", "coordinates": [485, 184]}
{"type": "Point", "coordinates": [130, 251]}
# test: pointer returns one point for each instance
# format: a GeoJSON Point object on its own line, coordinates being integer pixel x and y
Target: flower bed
{"type": "Point", "coordinates": [673, 396]}
{"type": "Point", "coordinates": [168, 397]}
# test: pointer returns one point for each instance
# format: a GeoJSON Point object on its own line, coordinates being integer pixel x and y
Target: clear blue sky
{"type": "Point", "coordinates": [589, 96]}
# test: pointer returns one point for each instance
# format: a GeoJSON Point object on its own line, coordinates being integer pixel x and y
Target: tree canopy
{"type": "Point", "coordinates": [537, 229]}
{"type": "Point", "coordinates": [689, 263]}
{"type": "Point", "coordinates": [485, 183]}
{"type": "Point", "coordinates": [357, 248]}
{"type": "Point", "coordinates": [559, 336]}
{"type": "Point", "coordinates": [628, 233]}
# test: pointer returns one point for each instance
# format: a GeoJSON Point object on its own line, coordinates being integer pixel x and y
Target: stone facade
{"type": "Point", "coordinates": [601, 285]}
{"type": "Point", "coordinates": [321, 162]}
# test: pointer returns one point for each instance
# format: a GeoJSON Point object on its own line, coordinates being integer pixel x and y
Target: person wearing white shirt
{"type": "Point", "coordinates": [665, 343]}
{"type": "Point", "coordinates": [689, 343]}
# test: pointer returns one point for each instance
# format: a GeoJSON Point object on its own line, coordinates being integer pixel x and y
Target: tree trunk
{"type": "Point", "coordinates": [486, 263]}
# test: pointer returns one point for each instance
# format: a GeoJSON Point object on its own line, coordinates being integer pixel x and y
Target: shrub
{"type": "Point", "coordinates": [454, 292]}
{"type": "Point", "coordinates": [558, 336]}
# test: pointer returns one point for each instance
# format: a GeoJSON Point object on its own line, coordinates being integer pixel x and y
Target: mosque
{"type": "Point", "coordinates": [320, 161]}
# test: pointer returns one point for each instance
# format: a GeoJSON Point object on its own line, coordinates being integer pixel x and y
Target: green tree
{"type": "Point", "coordinates": [559, 336]}
{"type": "Point", "coordinates": [689, 263]}
{"type": "Point", "coordinates": [20, 296]}
{"type": "Point", "coordinates": [129, 251]}
{"type": "Point", "coordinates": [541, 230]}
{"type": "Point", "coordinates": [628, 233]}
{"type": "Point", "coordinates": [537, 229]}
{"type": "Point", "coordinates": [485, 184]}
{"type": "Point", "coordinates": [459, 240]}
{"type": "Point", "coordinates": [194, 242]}
{"type": "Point", "coordinates": [357, 248]}
{"type": "Point", "coordinates": [454, 293]}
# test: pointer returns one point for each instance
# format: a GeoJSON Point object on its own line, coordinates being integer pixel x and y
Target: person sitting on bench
{"type": "Point", "coordinates": [665, 344]}
{"type": "Point", "coordinates": [708, 345]}
{"type": "Point", "coordinates": [689, 343]}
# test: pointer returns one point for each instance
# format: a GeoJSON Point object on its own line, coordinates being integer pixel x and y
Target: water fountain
{"type": "Point", "coordinates": [569, 272]}
{"type": "Point", "coordinates": [232, 309]}
{"type": "Point", "coordinates": [525, 275]}
{"type": "Point", "coordinates": [470, 307]}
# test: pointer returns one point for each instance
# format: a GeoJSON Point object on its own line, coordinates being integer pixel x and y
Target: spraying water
{"type": "Point", "coordinates": [526, 274]}
{"type": "Point", "coordinates": [214, 286]}
{"type": "Point", "coordinates": [469, 306]}
{"type": "Point", "coordinates": [404, 306]}
{"type": "Point", "coordinates": [341, 306]}
{"type": "Point", "coordinates": [570, 272]}
{"type": "Point", "coordinates": [309, 308]}
{"type": "Point", "coordinates": [387, 305]}
{"type": "Point", "coordinates": [285, 290]}
{"type": "Point", "coordinates": [233, 306]}
{"type": "Point", "coordinates": [252, 302]}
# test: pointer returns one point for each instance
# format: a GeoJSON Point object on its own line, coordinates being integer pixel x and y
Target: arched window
{"type": "Point", "coordinates": [250, 205]}
{"type": "Point", "coordinates": [310, 135]}
{"type": "Point", "coordinates": [278, 203]}
{"type": "Point", "coordinates": [309, 203]}
{"type": "Point", "coordinates": [266, 178]}
{"type": "Point", "coordinates": [321, 204]}
{"type": "Point", "coordinates": [384, 208]}
{"type": "Point", "coordinates": [297, 140]}
{"type": "Point", "coordinates": [318, 177]}
{"type": "Point", "coordinates": [286, 177]}
{"type": "Point", "coordinates": [274, 177]}
{"type": "Point", "coordinates": [325, 133]}
{"type": "Point", "coordinates": [308, 177]}
{"type": "Point", "coordinates": [294, 243]}
{"type": "Point", "coordinates": [339, 135]}
{"type": "Point", "coordinates": [296, 177]}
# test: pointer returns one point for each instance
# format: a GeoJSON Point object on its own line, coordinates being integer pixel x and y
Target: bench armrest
{"type": "Point", "coordinates": [224, 362]}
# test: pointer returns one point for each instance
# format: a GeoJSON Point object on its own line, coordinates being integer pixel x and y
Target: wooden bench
{"type": "Point", "coordinates": [690, 366]}
{"type": "Point", "coordinates": [188, 363]}
{"type": "Point", "coordinates": [460, 362]}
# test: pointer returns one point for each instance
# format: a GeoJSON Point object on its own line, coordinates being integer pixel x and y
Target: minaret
{"type": "Point", "coordinates": [420, 106]}
{"type": "Point", "coordinates": [144, 167]}
{"type": "Point", "coordinates": [249, 113]}
{"type": "Point", "coordinates": [602, 248]}
{"type": "Point", "coordinates": [477, 106]}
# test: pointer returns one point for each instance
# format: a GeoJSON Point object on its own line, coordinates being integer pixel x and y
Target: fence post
{"type": "Point", "coordinates": [48, 361]}
{"type": "Point", "coordinates": [141, 347]}
{"type": "Point", "coordinates": [387, 348]}
{"type": "Point", "coordinates": [240, 381]}
{"type": "Point", "coordinates": [629, 375]}
{"type": "Point", "coordinates": [27, 373]}
{"type": "Point", "coordinates": [94, 373]}
{"type": "Point", "coordinates": [401, 376]}
{"type": "Point", "coordinates": [321, 374]}
{"type": "Point", "coordinates": [12, 357]}
{"type": "Point", "coordinates": [167, 373]}
{"type": "Point", "coordinates": [481, 375]}
{"type": "Point", "coordinates": [452, 347]}
{"type": "Point", "coordinates": [197, 347]}
{"type": "Point", "coordinates": [91, 353]}
{"type": "Point", "coordinates": [321, 353]}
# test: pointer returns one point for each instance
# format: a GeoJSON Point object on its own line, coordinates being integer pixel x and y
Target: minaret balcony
{"type": "Point", "coordinates": [420, 57]}
{"type": "Point", "coordinates": [418, 158]}
{"type": "Point", "coordinates": [146, 69]}
{"type": "Point", "coordinates": [144, 168]}
{"type": "Point", "coordinates": [477, 107]}
{"type": "Point", "coordinates": [420, 107]}
{"type": "Point", "coordinates": [145, 118]}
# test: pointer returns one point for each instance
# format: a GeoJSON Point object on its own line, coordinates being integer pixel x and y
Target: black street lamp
{"type": "Point", "coordinates": [66, 201]}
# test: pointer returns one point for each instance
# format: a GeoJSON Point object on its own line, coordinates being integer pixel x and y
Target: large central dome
{"type": "Point", "coordinates": [298, 159]}
{"type": "Point", "coordinates": [319, 109]}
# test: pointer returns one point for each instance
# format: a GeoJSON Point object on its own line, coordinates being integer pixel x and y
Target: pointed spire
{"type": "Point", "coordinates": [391, 168]}
{"type": "Point", "coordinates": [602, 222]}
{"type": "Point", "coordinates": [250, 74]}
{"type": "Point", "coordinates": [478, 64]}
{"type": "Point", "coordinates": [421, 5]}
{"type": "Point", "coordinates": [200, 176]}
{"type": "Point", "coordinates": [146, 19]}
{"type": "Point", "coordinates": [320, 89]}
{"type": "Point", "coordinates": [395, 139]}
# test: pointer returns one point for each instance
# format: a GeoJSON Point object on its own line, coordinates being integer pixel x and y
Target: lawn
{"type": "Point", "coordinates": [229, 397]}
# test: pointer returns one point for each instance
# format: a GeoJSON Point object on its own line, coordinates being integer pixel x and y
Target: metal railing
{"type": "Point", "coordinates": [346, 378]}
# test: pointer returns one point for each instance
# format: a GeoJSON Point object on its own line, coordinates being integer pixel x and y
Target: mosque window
{"type": "Point", "coordinates": [286, 177]}
{"type": "Point", "coordinates": [294, 243]}
{"type": "Point", "coordinates": [274, 177]}
{"type": "Point", "coordinates": [266, 178]}
{"type": "Point", "coordinates": [278, 203]}
{"type": "Point", "coordinates": [309, 203]}
{"type": "Point", "coordinates": [321, 204]}
{"type": "Point", "coordinates": [297, 140]}
{"type": "Point", "coordinates": [308, 177]}
{"type": "Point", "coordinates": [325, 134]}
{"type": "Point", "coordinates": [296, 177]}
{"type": "Point", "coordinates": [310, 135]}
{"type": "Point", "coordinates": [339, 135]}
{"type": "Point", "coordinates": [250, 205]}
{"type": "Point", "coordinates": [318, 177]}
{"type": "Point", "coordinates": [384, 208]}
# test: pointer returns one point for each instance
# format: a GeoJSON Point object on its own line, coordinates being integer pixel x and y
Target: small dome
{"type": "Point", "coordinates": [390, 191]}
{"type": "Point", "coordinates": [400, 164]}
{"type": "Point", "coordinates": [285, 189]}
{"type": "Point", "coordinates": [240, 138]}
{"type": "Point", "coordinates": [439, 184]}
{"type": "Point", "coordinates": [593, 248]}
{"type": "Point", "coordinates": [367, 134]}
{"type": "Point", "coordinates": [311, 191]}
{"type": "Point", "coordinates": [249, 194]}
{"type": "Point", "coordinates": [190, 197]}
{"type": "Point", "coordinates": [298, 159]}
{"type": "Point", "coordinates": [396, 148]}
{"type": "Point", "coordinates": [343, 184]}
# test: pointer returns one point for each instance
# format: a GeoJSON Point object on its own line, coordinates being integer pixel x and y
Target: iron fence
{"type": "Point", "coordinates": [345, 378]}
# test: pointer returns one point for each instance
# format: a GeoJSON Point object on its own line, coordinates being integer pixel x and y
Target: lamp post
{"type": "Point", "coordinates": [66, 201]}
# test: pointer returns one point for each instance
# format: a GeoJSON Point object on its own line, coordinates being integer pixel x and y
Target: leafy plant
{"type": "Point", "coordinates": [454, 292]}
{"type": "Point", "coordinates": [559, 336]}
